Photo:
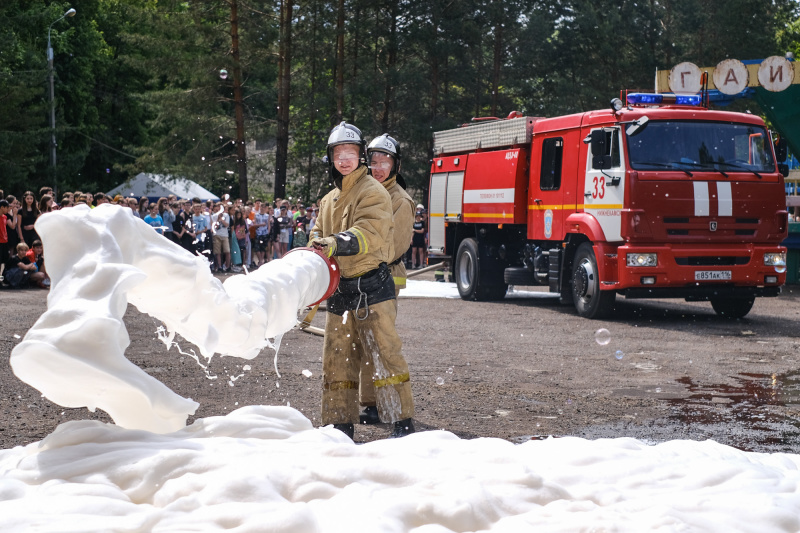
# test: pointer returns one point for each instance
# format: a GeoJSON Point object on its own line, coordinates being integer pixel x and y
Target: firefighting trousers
{"type": "Point", "coordinates": [366, 389]}
{"type": "Point", "coordinates": [348, 341]}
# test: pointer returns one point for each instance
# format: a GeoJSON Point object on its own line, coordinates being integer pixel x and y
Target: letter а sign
{"type": "Point", "coordinates": [731, 77]}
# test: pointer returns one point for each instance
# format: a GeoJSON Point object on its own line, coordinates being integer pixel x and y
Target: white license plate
{"type": "Point", "coordinates": [711, 275]}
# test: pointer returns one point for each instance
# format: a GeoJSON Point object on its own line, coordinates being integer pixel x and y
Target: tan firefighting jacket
{"type": "Point", "coordinates": [403, 211]}
{"type": "Point", "coordinates": [363, 208]}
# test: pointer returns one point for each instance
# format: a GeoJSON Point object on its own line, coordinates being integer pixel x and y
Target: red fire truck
{"type": "Point", "coordinates": [659, 197]}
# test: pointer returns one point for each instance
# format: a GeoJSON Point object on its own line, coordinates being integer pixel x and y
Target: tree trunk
{"type": "Point", "coordinates": [497, 60]}
{"type": "Point", "coordinates": [340, 62]}
{"type": "Point", "coordinates": [284, 85]}
{"type": "Point", "coordinates": [352, 111]}
{"type": "Point", "coordinates": [241, 151]}
{"type": "Point", "coordinates": [434, 74]}
{"type": "Point", "coordinates": [479, 77]}
{"type": "Point", "coordinates": [390, 69]}
{"type": "Point", "coordinates": [313, 111]}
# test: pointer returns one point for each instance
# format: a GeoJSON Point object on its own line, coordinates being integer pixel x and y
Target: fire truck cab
{"type": "Point", "coordinates": [659, 198]}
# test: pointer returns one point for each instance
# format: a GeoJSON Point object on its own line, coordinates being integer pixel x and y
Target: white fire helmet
{"type": "Point", "coordinates": [345, 133]}
{"type": "Point", "coordinates": [386, 144]}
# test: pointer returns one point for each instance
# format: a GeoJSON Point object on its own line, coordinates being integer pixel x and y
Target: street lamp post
{"type": "Point", "coordinates": [70, 13]}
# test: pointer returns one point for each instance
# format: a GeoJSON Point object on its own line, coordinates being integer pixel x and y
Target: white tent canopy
{"type": "Point", "coordinates": [155, 186]}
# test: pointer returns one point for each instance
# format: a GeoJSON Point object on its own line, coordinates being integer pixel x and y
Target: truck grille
{"type": "Point", "coordinates": [712, 260]}
{"type": "Point", "coordinates": [742, 227]}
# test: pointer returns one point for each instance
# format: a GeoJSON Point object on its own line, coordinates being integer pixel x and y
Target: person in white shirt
{"type": "Point", "coordinates": [221, 245]}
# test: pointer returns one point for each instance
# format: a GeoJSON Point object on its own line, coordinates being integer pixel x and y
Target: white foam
{"type": "Point", "coordinates": [264, 468]}
{"type": "Point", "coordinates": [267, 469]}
{"type": "Point", "coordinates": [101, 259]}
{"type": "Point", "coordinates": [437, 289]}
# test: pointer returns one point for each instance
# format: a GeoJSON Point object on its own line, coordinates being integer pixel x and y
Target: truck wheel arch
{"type": "Point", "coordinates": [584, 227]}
{"type": "Point", "coordinates": [585, 224]}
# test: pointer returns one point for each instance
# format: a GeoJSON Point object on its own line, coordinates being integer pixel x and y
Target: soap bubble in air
{"type": "Point", "coordinates": [440, 381]}
{"type": "Point", "coordinates": [619, 355]}
{"type": "Point", "coordinates": [780, 266]}
{"type": "Point", "coordinates": [602, 336]}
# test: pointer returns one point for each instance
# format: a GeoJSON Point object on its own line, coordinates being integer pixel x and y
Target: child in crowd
{"type": "Point", "coordinates": [154, 219]}
{"type": "Point", "coordinates": [240, 229]}
{"type": "Point", "coordinates": [285, 226]}
{"type": "Point", "coordinates": [418, 241]}
{"type": "Point", "coordinates": [21, 271]}
{"type": "Point", "coordinates": [4, 209]}
{"type": "Point", "coordinates": [202, 230]}
{"type": "Point", "coordinates": [36, 256]}
{"type": "Point", "coordinates": [167, 217]}
{"type": "Point", "coordinates": [182, 227]}
{"type": "Point", "coordinates": [300, 237]}
{"type": "Point", "coordinates": [262, 224]}
{"type": "Point", "coordinates": [12, 221]}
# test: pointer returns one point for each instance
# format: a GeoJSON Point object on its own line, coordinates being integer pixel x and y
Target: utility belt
{"type": "Point", "coordinates": [357, 294]}
{"type": "Point", "coordinates": [396, 261]}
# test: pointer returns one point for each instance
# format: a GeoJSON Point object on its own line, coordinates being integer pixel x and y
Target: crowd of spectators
{"type": "Point", "coordinates": [231, 234]}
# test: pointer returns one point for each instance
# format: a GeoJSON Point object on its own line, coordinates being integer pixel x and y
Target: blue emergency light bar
{"type": "Point", "coordinates": [664, 99]}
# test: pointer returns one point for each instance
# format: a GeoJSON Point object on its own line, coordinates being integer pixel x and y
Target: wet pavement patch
{"type": "Point", "coordinates": [757, 413]}
{"type": "Point", "coordinates": [760, 412]}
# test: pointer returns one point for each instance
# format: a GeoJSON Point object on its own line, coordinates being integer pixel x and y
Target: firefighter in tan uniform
{"type": "Point", "coordinates": [383, 157]}
{"type": "Point", "coordinates": [355, 224]}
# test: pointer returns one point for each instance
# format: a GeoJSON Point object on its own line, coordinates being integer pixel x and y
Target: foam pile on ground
{"type": "Point", "coordinates": [266, 469]}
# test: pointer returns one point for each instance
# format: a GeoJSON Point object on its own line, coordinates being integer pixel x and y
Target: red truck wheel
{"type": "Point", "coordinates": [590, 301]}
{"type": "Point", "coordinates": [477, 278]}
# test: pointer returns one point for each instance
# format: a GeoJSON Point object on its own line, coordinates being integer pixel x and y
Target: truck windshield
{"type": "Point", "coordinates": [683, 145]}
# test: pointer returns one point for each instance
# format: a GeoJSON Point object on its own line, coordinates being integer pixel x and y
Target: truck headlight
{"type": "Point", "coordinates": [642, 260]}
{"type": "Point", "coordinates": [775, 259]}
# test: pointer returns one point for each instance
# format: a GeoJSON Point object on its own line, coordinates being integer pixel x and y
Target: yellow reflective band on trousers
{"type": "Point", "coordinates": [399, 281]}
{"type": "Point", "coordinates": [371, 345]}
{"type": "Point", "coordinates": [362, 241]}
{"type": "Point", "coordinates": [391, 380]}
{"type": "Point", "coordinates": [340, 385]}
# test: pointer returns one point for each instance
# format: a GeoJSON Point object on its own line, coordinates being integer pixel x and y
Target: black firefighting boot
{"type": "Point", "coordinates": [347, 429]}
{"type": "Point", "coordinates": [402, 428]}
{"type": "Point", "coordinates": [369, 415]}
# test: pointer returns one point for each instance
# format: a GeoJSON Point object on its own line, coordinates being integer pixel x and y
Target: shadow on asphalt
{"type": "Point", "coordinates": [675, 314]}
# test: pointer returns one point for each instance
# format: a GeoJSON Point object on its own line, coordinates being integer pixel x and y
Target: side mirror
{"type": "Point", "coordinates": [597, 139]}
{"type": "Point", "coordinates": [783, 168]}
{"type": "Point", "coordinates": [781, 150]}
{"type": "Point", "coordinates": [601, 162]}
{"type": "Point", "coordinates": [599, 142]}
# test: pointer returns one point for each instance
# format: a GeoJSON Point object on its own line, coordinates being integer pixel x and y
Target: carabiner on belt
{"type": "Point", "coordinates": [362, 296]}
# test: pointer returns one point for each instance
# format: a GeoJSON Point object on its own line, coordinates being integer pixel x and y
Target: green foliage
{"type": "Point", "coordinates": [137, 82]}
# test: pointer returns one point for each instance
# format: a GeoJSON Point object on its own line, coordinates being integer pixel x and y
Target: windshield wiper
{"type": "Point", "coordinates": [734, 165]}
{"type": "Point", "coordinates": [703, 166]}
{"type": "Point", "coordinates": [671, 166]}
